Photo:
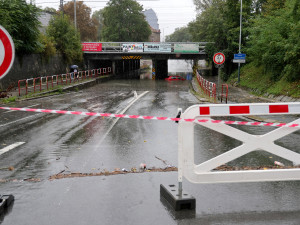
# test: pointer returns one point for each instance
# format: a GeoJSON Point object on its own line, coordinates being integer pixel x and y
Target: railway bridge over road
{"type": "Point", "coordinates": [124, 57]}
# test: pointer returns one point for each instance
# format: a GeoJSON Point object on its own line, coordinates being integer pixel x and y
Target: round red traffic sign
{"type": "Point", "coordinates": [7, 52]}
{"type": "Point", "coordinates": [219, 58]}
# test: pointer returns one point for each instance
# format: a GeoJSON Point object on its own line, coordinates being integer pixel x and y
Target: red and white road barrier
{"type": "Point", "coordinates": [201, 110]}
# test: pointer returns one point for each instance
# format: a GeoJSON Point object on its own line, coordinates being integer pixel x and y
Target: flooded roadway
{"type": "Point", "coordinates": [70, 143]}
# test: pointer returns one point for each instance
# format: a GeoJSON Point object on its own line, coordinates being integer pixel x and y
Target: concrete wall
{"type": "Point", "coordinates": [30, 66]}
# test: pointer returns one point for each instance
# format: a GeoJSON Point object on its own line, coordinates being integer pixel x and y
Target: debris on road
{"type": "Point", "coordinates": [278, 163]}
{"type": "Point", "coordinates": [107, 173]}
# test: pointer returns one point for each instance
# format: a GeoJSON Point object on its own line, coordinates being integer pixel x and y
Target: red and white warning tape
{"type": "Point", "coordinates": [152, 117]}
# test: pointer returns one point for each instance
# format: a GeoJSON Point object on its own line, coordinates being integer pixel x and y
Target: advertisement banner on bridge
{"type": "Point", "coordinates": [154, 47]}
{"type": "Point", "coordinates": [151, 47]}
{"type": "Point", "coordinates": [132, 47]}
{"type": "Point", "coordinates": [92, 47]}
{"type": "Point", "coordinates": [186, 48]}
{"type": "Point", "coordinates": [165, 47]}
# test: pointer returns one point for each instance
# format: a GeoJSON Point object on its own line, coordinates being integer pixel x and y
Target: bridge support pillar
{"type": "Point", "coordinates": [161, 68]}
{"type": "Point", "coordinates": [195, 67]}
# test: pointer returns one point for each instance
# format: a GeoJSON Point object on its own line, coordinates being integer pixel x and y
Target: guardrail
{"type": "Point", "coordinates": [209, 88]}
{"type": "Point", "coordinates": [224, 93]}
{"type": "Point", "coordinates": [48, 82]}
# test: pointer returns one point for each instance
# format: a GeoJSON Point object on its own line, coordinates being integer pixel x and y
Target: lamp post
{"type": "Point", "coordinates": [75, 14]}
{"type": "Point", "coordinates": [163, 37]}
{"type": "Point", "coordinates": [240, 39]}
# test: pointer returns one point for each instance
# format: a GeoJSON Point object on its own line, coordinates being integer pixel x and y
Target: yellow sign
{"type": "Point", "coordinates": [131, 57]}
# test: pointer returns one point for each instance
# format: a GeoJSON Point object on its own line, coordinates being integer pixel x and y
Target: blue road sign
{"type": "Point", "coordinates": [240, 56]}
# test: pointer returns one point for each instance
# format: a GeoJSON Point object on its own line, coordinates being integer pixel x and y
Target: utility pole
{"type": "Point", "coordinates": [75, 14]}
{"type": "Point", "coordinates": [240, 39]}
{"type": "Point", "coordinates": [62, 6]}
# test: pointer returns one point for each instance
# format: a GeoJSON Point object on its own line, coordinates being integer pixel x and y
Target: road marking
{"type": "Point", "coordinates": [123, 111]}
{"type": "Point", "coordinates": [17, 120]}
{"type": "Point", "coordinates": [10, 147]}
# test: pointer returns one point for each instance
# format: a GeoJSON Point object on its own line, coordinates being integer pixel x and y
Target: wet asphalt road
{"type": "Point", "coordinates": [70, 143]}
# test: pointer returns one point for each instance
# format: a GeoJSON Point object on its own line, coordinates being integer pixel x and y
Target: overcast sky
{"type": "Point", "coordinates": [171, 14]}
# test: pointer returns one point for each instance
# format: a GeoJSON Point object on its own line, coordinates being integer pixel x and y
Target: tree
{"type": "Point", "coordinates": [274, 41]}
{"type": "Point", "coordinates": [124, 21]}
{"type": "Point", "coordinates": [66, 38]}
{"type": "Point", "coordinates": [98, 16]}
{"type": "Point", "coordinates": [85, 24]}
{"type": "Point", "coordinates": [21, 21]}
{"type": "Point", "coordinates": [219, 22]}
{"type": "Point", "coordinates": [180, 35]}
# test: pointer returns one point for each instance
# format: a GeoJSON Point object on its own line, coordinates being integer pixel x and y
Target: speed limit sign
{"type": "Point", "coordinates": [219, 58]}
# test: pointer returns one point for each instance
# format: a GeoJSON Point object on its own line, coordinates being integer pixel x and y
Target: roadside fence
{"type": "Point", "coordinates": [209, 88]}
{"type": "Point", "coordinates": [224, 93]}
{"type": "Point", "coordinates": [38, 84]}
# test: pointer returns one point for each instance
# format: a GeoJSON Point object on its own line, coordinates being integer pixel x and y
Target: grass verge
{"type": "Point", "coordinates": [260, 83]}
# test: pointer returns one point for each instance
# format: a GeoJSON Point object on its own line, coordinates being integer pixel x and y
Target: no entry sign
{"type": "Point", "coordinates": [7, 52]}
{"type": "Point", "coordinates": [219, 58]}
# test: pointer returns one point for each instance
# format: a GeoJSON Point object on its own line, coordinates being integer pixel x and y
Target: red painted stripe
{"type": "Point", "coordinates": [202, 121]}
{"type": "Point", "coordinates": [134, 116]}
{"type": "Point", "coordinates": [105, 114]}
{"type": "Point", "coordinates": [61, 111]}
{"type": "Point", "coordinates": [76, 113]}
{"type": "Point", "coordinates": [204, 110]}
{"type": "Point", "coordinates": [268, 124]}
{"type": "Point", "coordinates": [189, 120]}
{"type": "Point", "coordinates": [255, 123]}
{"type": "Point", "coordinates": [281, 125]}
{"type": "Point", "coordinates": [229, 122]}
{"type": "Point", "coordinates": [16, 108]}
{"type": "Point", "coordinates": [162, 118]}
{"type": "Point", "coordinates": [148, 117]}
{"type": "Point", "coordinates": [31, 110]}
{"type": "Point", "coordinates": [91, 114]}
{"type": "Point", "coordinates": [47, 110]}
{"type": "Point", "coordinates": [242, 122]}
{"type": "Point", "coordinates": [294, 125]}
{"type": "Point", "coordinates": [120, 115]}
{"type": "Point", "coordinates": [279, 108]}
{"type": "Point", "coordinates": [216, 121]}
{"type": "Point", "coordinates": [175, 119]}
{"type": "Point", "coordinates": [239, 109]}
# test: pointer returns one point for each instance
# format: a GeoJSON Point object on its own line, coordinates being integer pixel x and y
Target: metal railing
{"type": "Point", "coordinates": [38, 84]}
{"type": "Point", "coordinates": [209, 88]}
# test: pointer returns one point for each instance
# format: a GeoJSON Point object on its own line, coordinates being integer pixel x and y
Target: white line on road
{"type": "Point", "coordinates": [123, 111]}
{"type": "Point", "coordinates": [17, 120]}
{"type": "Point", "coordinates": [10, 147]}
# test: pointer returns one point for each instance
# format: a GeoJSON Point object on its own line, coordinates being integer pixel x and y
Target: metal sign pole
{"type": "Point", "coordinates": [240, 39]}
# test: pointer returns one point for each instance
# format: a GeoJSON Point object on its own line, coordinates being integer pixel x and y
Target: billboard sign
{"type": "Point", "coordinates": [132, 47]}
{"type": "Point", "coordinates": [165, 47]}
{"type": "Point", "coordinates": [151, 47]}
{"type": "Point", "coordinates": [186, 48]}
{"type": "Point", "coordinates": [154, 47]}
{"type": "Point", "coordinates": [91, 47]}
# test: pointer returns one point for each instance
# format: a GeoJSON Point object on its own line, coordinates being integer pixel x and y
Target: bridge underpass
{"type": "Point", "coordinates": [124, 57]}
